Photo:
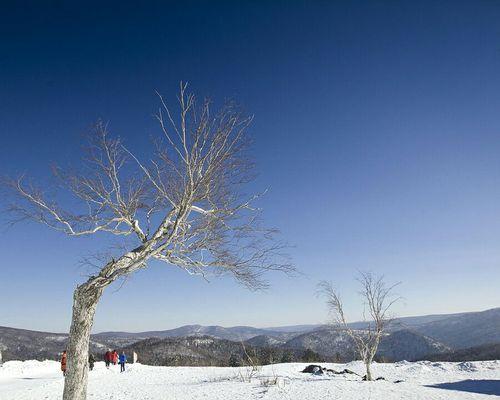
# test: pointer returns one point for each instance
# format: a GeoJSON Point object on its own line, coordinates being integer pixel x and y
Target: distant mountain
{"type": "Point", "coordinates": [477, 353]}
{"type": "Point", "coordinates": [328, 344]}
{"type": "Point", "coordinates": [198, 349]}
{"type": "Point", "coordinates": [411, 322]}
{"type": "Point", "coordinates": [408, 322]}
{"type": "Point", "coordinates": [296, 328]}
{"type": "Point", "coordinates": [326, 341]}
{"type": "Point", "coordinates": [457, 331]}
{"type": "Point", "coordinates": [395, 346]}
{"type": "Point", "coordinates": [408, 345]}
{"type": "Point", "coordinates": [266, 341]}
{"type": "Point", "coordinates": [409, 338]}
{"type": "Point", "coordinates": [22, 344]}
{"type": "Point", "coordinates": [465, 330]}
{"type": "Point", "coordinates": [235, 333]}
{"type": "Point", "coordinates": [435, 326]}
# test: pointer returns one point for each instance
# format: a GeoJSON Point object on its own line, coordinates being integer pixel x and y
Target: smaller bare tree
{"type": "Point", "coordinates": [378, 299]}
{"type": "Point", "coordinates": [251, 364]}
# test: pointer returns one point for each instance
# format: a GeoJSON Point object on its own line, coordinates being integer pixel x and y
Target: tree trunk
{"type": "Point", "coordinates": [368, 371]}
{"type": "Point", "coordinates": [85, 301]}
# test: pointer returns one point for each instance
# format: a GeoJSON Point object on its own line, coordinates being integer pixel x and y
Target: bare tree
{"type": "Point", "coordinates": [250, 363]}
{"type": "Point", "coordinates": [184, 207]}
{"type": "Point", "coordinates": [378, 299]}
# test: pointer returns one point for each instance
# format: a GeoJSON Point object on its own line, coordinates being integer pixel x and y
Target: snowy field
{"type": "Point", "coordinates": [422, 380]}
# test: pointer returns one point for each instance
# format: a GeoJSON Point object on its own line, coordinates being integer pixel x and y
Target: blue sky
{"type": "Point", "coordinates": [377, 131]}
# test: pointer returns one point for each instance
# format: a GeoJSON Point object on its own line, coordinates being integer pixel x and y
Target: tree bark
{"type": "Point", "coordinates": [368, 371]}
{"type": "Point", "coordinates": [85, 299]}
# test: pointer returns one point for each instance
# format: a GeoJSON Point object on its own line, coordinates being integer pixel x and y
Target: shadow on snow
{"type": "Point", "coordinates": [482, 386]}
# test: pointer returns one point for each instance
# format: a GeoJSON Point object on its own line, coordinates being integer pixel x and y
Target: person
{"type": "Point", "coordinates": [114, 357]}
{"type": "Point", "coordinates": [91, 361]}
{"type": "Point", "coordinates": [107, 358]}
{"type": "Point", "coordinates": [64, 360]}
{"type": "Point", "coordinates": [123, 360]}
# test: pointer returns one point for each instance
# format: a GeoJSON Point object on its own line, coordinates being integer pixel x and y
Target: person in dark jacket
{"type": "Point", "coordinates": [107, 358]}
{"type": "Point", "coordinates": [123, 360]}
{"type": "Point", "coordinates": [64, 361]}
{"type": "Point", "coordinates": [91, 361]}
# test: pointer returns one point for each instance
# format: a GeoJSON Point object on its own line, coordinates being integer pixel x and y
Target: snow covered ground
{"type": "Point", "coordinates": [422, 380]}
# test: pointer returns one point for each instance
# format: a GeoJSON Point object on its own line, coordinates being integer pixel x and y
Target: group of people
{"type": "Point", "coordinates": [110, 357]}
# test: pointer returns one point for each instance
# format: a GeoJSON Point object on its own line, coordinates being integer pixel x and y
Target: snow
{"type": "Point", "coordinates": [421, 380]}
{"type": "Point", "coordinates": [56, 338]}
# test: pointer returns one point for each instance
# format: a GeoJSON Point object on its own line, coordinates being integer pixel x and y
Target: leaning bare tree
{"type": "Point", "coordinates": [184, 207]}
{"type": "Point", "coordinates": [378, 299]}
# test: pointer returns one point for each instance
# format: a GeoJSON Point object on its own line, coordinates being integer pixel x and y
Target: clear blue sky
{"type": "Point", "coordinates": [377, 128]}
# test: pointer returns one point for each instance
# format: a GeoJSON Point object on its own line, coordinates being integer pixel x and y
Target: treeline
{"type": "Point", "coordinates": [255, 356]}
{"type": "Point", "coordinates": [478, 353]}
{"type": "Point", "coordinates": [208, 351]}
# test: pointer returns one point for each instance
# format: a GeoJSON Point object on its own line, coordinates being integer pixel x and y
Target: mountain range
{"type": "Point", "coordinates": [234, 333]}
{"type": "Point", "coordinates": [411, 338]}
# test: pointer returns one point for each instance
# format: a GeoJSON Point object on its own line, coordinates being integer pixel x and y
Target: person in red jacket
{"type": "Point", "coordinates": [64, 360]}
{"type": "Point", "coordinates": [115, 357]}
{"type": "Point", "coordinates": [107, 358]}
